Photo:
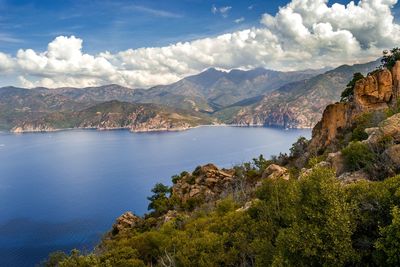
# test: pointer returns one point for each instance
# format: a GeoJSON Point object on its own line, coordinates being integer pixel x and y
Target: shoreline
{"type": "Point", "coordinates": [161, 130]}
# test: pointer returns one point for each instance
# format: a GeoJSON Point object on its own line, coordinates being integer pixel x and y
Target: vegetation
{"type": "Point", "coordinates": [309, 222]}
{"type": "Point", "coordinates": [348, 93]}
{"type": "Point", "coordinates": [389, 58]}
{"type": "Point", "coordinates": [357, 156]}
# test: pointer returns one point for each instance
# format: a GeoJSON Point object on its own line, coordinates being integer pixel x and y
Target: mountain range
{"type": "Point", "coordinates": [241, 97]}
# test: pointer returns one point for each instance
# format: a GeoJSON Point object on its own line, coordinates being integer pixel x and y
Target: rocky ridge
{"type": "Point", "coordinates": [376, 92]}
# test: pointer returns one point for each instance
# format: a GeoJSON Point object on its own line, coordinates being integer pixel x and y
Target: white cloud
{"type": "Point", "coordinates": [224, 10]}
{"type": "Point", "coordinates": [239, 20]}
{"type": "Point", "coordinates": [6, 63]}
{"type": "Point", "coordinates": [303, 34]}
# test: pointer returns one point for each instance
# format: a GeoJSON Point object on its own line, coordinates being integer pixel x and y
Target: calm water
{"type": "Point", "coordinates": [63, 190]}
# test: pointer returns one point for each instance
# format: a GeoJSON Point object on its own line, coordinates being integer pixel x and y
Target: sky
{"type": "Point", "coordinates": [140, 44]}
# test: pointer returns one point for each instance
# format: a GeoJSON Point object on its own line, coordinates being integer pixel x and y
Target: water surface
{"type": "Point", "coordinates": [64, 189]}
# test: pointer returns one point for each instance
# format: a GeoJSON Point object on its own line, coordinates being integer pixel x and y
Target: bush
{"type": "Point", "coordinates": [357, 156]}
{"type": "Point", "coordinates": [389, 243]}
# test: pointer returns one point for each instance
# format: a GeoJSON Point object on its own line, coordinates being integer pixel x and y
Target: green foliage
{"type": "Point", "coordinates": [348, 93]}
{"type": "Point", "coordinates": [299, 147]}
{"type": "Point", "coordinates": [389, 242]}
{"type": "Point", "coordinates": [159, 201]}
{"type": "Point", "coordinates": [389, 58]}
{"type": "Point", "coordinates": [357, 156]}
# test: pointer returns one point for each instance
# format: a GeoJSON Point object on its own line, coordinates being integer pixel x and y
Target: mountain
{"type": "Point", "coordinates": [214, 89]}
{"type": "Point", "coordinates": [298, 104]}
{"type": "Point", "coordinates": [116, 115]}
{"type": "Point", "coordinates": [207, 92]}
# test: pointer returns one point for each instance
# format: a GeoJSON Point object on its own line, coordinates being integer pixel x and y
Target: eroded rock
{"type": "Point", "coordinates": [275, 171]}
{"type": "Point", "coordinates": [125, 221]}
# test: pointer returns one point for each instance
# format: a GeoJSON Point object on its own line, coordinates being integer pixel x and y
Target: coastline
{"type": "Point", "coordinates": [177, 129]}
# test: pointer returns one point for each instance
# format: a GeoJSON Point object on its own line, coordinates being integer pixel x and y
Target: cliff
{"type": "Point", "coordinates": [375, 93]}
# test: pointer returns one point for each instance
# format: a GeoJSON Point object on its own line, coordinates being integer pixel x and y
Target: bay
{"type": "Point", "coordinates": [64, 189]}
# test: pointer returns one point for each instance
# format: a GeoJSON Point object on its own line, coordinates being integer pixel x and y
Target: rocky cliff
{"type": "Point", "coordinates": [376, 92]}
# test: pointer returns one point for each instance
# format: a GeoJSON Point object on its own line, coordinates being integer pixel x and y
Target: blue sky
{"type": "Point", "coordinates": [139, 44]}
{"type": "Point", "coordinates": [116, 25]}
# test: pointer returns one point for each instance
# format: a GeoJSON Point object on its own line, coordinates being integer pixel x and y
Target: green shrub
{"type": "Point", "coordinates": [357, 156]}
{"type": "Point", "coordinates": [389, 242]}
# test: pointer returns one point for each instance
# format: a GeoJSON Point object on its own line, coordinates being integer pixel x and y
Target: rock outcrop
{"type": "Point", "coordinates": [387, 128]}
{"type": "Point", "coordinates": [377, 91]}
{"type": "Point", "coordinates": [206, 181]}
{"type": "Point", "coordinates": [274, 171]}
{"type": "Point", "coordinates": [125, 221]}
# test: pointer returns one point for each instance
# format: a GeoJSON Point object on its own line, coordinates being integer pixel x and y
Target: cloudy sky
{"type": "Point", "coordinates": [145, 43]}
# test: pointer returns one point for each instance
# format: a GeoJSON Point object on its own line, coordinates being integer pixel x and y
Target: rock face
{"type": "Point", "coordinates": [125, 221]}
{"type": "Point", "coordinates": [206, 181]}
{"type": "Point", "coordinates": [335, 117]}
{"type": "Point", "coordinates": [377, 91]}
{"type": "Point", "coordinates": [274, 171]}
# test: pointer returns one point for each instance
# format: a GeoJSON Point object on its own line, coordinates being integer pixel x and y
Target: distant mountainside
{"type": "Point", "coordinates": [253, 97]}
{"type": "Point", "coordinates": [115, 115]}
{"type": "Point", "coordinates": [298, 104]}
{"type": "Point", "coordinates": [213, 89]}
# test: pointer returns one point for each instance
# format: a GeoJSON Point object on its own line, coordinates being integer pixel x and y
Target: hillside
{"type": "Point", "coordinates": [333, 201]}
{"type": "Point", "coordinates": [298, 104]}
{"type": "Point", "coordinates": [116, 115]}
{"type": "Point", "coordinates": [214, 89]}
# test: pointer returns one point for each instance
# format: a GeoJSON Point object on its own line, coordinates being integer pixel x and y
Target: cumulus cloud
{"type": "Point", "coordinates": [303, 34]}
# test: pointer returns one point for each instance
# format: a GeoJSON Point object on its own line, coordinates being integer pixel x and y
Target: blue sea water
{"type": "Point", "coordinates": [65, 189]}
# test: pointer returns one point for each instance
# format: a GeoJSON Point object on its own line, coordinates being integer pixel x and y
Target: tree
{"type": "Point", "coordinates": [159, 201]}
{"type": "Point", "coordinates": [389, 58]}
{"type": "Point", "coordinates": [348, 93]}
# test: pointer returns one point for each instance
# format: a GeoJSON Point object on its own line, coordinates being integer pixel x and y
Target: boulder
{"type": "Point", "coordinates": [336, 161]}
{"type": "Point", "coordinates": [275, 171]}
{"type": "Point", "coordinates": [125, 221]}
{"type": "Point", "coordinates": [389, 127]}
{"type": "Point", "coordinates": [352, 177]}
{"type": "Point", "coordinates": [393, 153]}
